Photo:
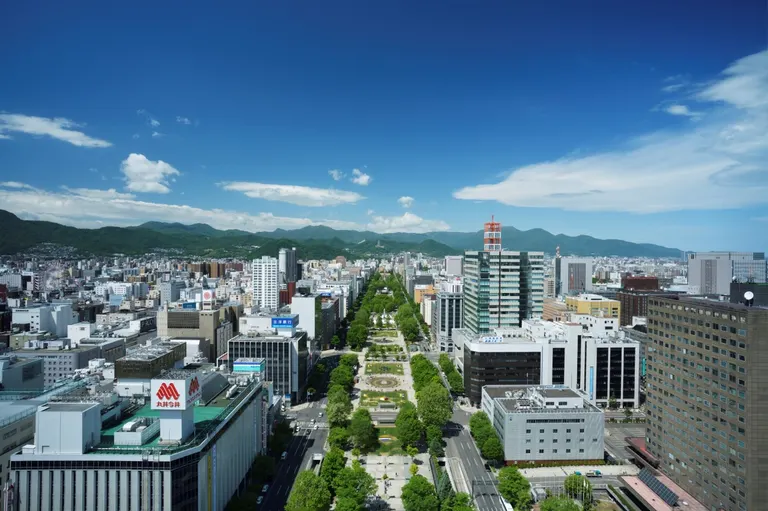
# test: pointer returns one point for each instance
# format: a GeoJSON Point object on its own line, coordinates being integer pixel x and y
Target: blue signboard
{"type": "Point", "coordinates": [326, 295]}
{"type": "Point", "coordinates": [246, 367]}
{"type": "Point", "coordinates": [283, 322]}
{"type": "Point", "coordinates": [189, 305]}
{"type": "Point", "coordinates": [591, 381]}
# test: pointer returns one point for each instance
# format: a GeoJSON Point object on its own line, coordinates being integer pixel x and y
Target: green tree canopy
{"type": "Point", "coordinates": [350, 360]}
{"type": "Point", "coordinates": [514, 488]}
{"type": "Point", "coordinates": [343, 377]}
{"type": "Point", "coordinates": [338, 437]}
{"type": "Point", "coordinates": [335, 341]}
{"type": "Point", "coordinates": [420, 495]}
{"type": "Point", "coordinates": [423, 372]}
{"type": "Point", "coordinates": [354, 483]}
{"type": "Point", "coordinates": [309, 493]}
{"type": "Point", "coordinates": [480, 427]}
{"type": "Point", "coordinates": [362, 431]}
{"type": "Point", "coordinates": [435, 405]}
{"type": "Point", "coordinates": [333, 463]}
{"type": "Point", "coordinates": [409, 427]}
{"type": "Point", "coordinates": [456, 382]}
{"type": "Point", "coordinates": [492, 449]}
{"type": "Point", "coordinates": [434, 433]}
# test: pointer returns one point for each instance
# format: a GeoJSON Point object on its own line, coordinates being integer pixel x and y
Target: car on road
{"type": "Point", "coordinates": [594, 473]}
{"type": "Point", "coordinates": [265, 488]}
{"type": "Point", "coordinates": [312, 421]}
{"type": "Point", "coordinates": [320, 414]}
{"type": "Point", "coordinates": [284, 455]}
{"type": "Point", "coordinates": [315, 426]}
{"type": "Point", "coordinates": [259, 500]}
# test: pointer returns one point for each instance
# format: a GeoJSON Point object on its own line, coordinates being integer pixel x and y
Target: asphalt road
{"type": "Point", "coordinates": [304, 445]}
{"type": "Point", "coordinates": [480, 481]}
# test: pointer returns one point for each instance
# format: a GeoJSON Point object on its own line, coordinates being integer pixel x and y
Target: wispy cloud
{"type": "Point", "coordinates": [16, 184]}
{"type": "Point", "coordinates": [336, 174]}
{"type": "Point", "coordinates": [406, 201]}
{"type": "Point", "coordinates": [157, 134]}
{"type": "Point", "coordinates": [147, 176]}
{"type": "Point", "coordinates": [408, 222]}
{"type": "Point", "coordinates": [360, 178]}
{"type": "Point", "coordinates": [183, 120]}
{"type": "Point", "coordinates": [135, 136]}
{"type": "Point", "coordinates": [149, 118]}
{"type": "Point", "coordinates": [719, 162]}
{"type": "Point", "coordinates": [293, 194]}
{"type": "Point", "coordinates": [58, 128]}
{"type": "Point", "coordinates": [96, 208]}
{"type": "Point", "coordinates": [681, 110]}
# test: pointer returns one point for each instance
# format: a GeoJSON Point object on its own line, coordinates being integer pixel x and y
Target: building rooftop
{"type": "Point", "coordinates": [530, 399]}
{"type": "Point", "coordinates": [151, 352]}
{"type": "Point", "coordinates": [558, 392]}
{"type": "Point", "coordinates": [591, 298]}
{"type": "Point", "coordinates": [69, 407]}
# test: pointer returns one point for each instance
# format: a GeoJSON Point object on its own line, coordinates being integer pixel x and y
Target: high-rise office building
{"type": "Point", "coordinates": [447, 314]}
{"type": "Point", "coordinates": [573, 275]}
{"type": "Point", "coordinates": [266, 287]}
{"type": "Point", "coordinates": [286, 258]}
{"type": "Point", "coordinates": [707, 406]}
{"type": "Point", "coordinates": [454, 265]}
{"type": "Point", "coordinates": [502, 288]}
{"type": "Point", "coordinates": [713, 272]}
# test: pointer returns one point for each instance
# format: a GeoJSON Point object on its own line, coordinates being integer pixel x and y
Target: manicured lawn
{"type": "Point", "coordinates": [372, 398]}
{"type": "Point", "coordinates": [391, 447]}
{"type": "Point", "coordinates": [384, 333]}
{"type": "Point", "coordinates": [383, 368]}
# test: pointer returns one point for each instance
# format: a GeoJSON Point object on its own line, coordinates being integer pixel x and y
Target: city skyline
{"type": "Point", "coordinates": [577, 123]}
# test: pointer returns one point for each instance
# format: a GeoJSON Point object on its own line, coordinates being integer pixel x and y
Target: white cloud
{"type": "Point", "coordinates": [144, 175]}
{"type": "Point", "coordinates": [183, 120]}
{"type": "Point", "coordinates": [360, 177]}
{"type": "Point", "coordinates": [369, 212]}
{"type": "Point", "coordinates": [744, 84]}
{"type": "Point", "coordinates": [135, 136]}
{"type": "Point", "coordinates": [336, 174]}
{"type": "Point", "coordinates": [99, 194]}
{"type": "Point", "coordinates": [58, 128]}
{"type": "Point", "coordinates": [681, 110]}
{"type": "Point", "coordinates": [157, 134]}
{"type": "Point", "coordinates": [97, 208]}
{"type": "Point", "coordinates": [148, 117]}
{"type": "Point", "coordinates": [673, 87]}
{"type": "Point", "coordinates": [293, 194]}
{"type": "Point", "coordinates": [406, 201]}
{"type": "Point", "coordinates": [720, 162]}
{"type": "Point", "coordinates": [16, 184]}
{"type": "Point", "coordinates": [406, 223]}
{"type": "Point", "coordinates": [4, 137]}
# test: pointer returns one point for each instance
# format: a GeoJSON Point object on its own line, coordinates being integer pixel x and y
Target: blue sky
{"type": "Point", "coordinates": [644, 122]}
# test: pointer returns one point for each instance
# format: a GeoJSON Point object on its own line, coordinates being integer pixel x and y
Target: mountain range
{"type": "Point", "coordinates": [313, 242]}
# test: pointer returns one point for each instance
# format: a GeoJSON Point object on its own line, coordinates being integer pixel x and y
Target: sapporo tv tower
{"type": "Point", "coordinates": [492, 236]}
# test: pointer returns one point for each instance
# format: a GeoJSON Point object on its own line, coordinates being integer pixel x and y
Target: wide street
{"type": "Point", "coordinates": [480, 482]}
{"type": "Point", "coordinates": [305, 443]}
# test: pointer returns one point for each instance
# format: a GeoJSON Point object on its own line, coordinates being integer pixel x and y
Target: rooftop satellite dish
{"type": "Point", "coordinates": [749, 295]}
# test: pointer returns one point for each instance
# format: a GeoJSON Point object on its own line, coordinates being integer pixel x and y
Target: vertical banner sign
{"type": "Point", "coordinates": [591, 382]}
{"type": "Point", "coordinates": [210, 482]}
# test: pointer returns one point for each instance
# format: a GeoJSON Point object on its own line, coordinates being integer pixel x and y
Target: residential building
{"type": "Point", "coordinates": [266, 283]}
{"type": "Point", "coordinates": [426, 306]}
{"type": "Point", "coordinates": [545, 424]}
{"type": "Point", "coordinates": [454, 265]}
{"type": "Point", "coordinates": [447, 314]}
{"type": "Point", "coordinates": [420, 290]}
{"type": "Point", "coordinates": [502, 288]}
{"type": "Point", "coordinates": [170, 291]}
{"type": "Point", "coordinates": [286, 359]}
{"type": "Point", "coordinates": [712, 272]}
{"type": "Point", "coordinates": [707, 403]}
{"type": "Point", "coordinates": [549, 288]}
{"type": "Point", "coordinates": [181, 451]}
{"type": "Point", "coordinates": [593, 305]}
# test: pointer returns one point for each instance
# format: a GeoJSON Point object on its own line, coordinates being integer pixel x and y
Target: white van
{"type": "Point", "coordinates": [284, 455]}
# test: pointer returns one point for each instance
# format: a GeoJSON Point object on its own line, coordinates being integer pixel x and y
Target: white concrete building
{"type": "Point", "coordinates": [573, 275]}
{"type": "Point", "coordinates": [53, 318]}
{"type": "Point", "coordinates": [544, 423]}
{"type": "Point", "coordinates": [712, 272]}
{"type": "Point", "coordinates": [266, 283]}
{"type": "Point", "coordinates": [183, 450]}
